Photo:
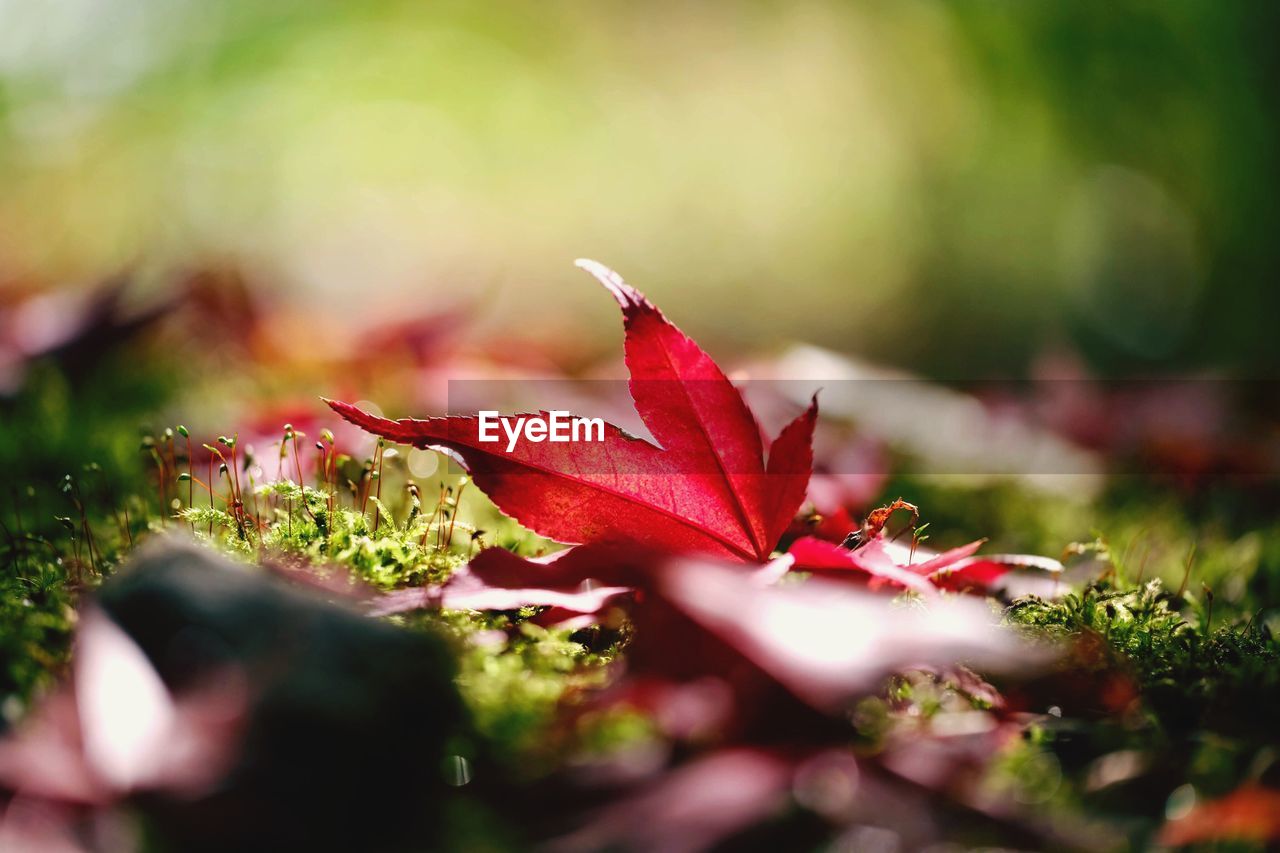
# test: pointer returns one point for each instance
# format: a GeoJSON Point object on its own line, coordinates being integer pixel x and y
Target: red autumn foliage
{"type": "Point", "coordinates": [882, 562]}
{"type": "Point", "coordinates": [1248, 814]}
{"type": "Point", "coordinates": [705, 488]}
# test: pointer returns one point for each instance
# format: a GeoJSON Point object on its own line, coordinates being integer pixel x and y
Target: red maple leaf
{"type": "Point", "coordinates": [882, 562]}
{"type": "Point", "coordinates": [705, 487]}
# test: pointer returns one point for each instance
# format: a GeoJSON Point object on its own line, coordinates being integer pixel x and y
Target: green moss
{"type": "Point", "coordinates": [1190, 674]}
{"type": "Point", "coordinates": [36, 619]}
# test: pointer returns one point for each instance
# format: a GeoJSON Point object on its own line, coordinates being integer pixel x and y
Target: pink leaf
{"type": "Point", "coordinates": [874, 568]}
{"type": "Point", "coordinates": [881, 562]}
{"type": "Point", "coordinates": [581, 580]}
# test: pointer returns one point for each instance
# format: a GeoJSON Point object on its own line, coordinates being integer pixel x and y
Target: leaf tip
{"type": "Point", "coordinates": [337, 405]}
{"type": "Point", "coordinates": [627, 296]}
{"type": "Point", "coordinates": [354, 415]}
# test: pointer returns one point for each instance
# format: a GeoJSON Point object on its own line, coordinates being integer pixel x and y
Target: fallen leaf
{"type": "Point", "coordinates": [827, 643]}
{"type": "Point", "coordinates": [881, 562]}
{"type": "Point", "coordinates": [691, 808]}
{"type": "Point", "coordinates": [870, 564]}
{"type": "Point", "coordinates": [704, 488]}
{"type": "Point", "coordinates": [497, 579]}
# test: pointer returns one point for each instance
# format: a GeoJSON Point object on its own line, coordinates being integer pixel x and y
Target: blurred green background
{"type": "Point", "coordinates": [959, 188]}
